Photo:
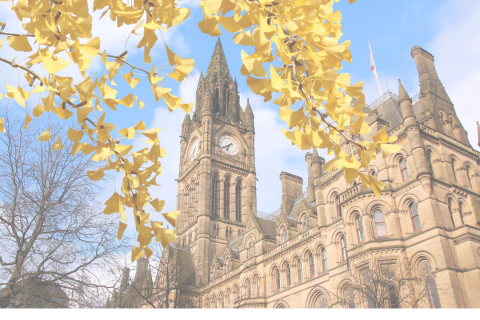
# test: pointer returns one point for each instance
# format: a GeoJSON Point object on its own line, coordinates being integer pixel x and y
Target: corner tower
{"type": "Point", "coordinates": [217, 178]}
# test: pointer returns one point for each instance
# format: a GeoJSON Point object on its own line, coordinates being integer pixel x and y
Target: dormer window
{"type": "Point", "coordinates": [283, 235]}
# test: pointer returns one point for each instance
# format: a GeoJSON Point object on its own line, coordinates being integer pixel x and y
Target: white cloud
{"type": "Point", "coordinates": [456, 50]}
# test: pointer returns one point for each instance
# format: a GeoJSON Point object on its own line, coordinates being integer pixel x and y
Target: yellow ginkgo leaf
{"type": "Point", "coordinates": [115, 204]}
{"type": "Point", "coordinates": [388, 149]}
{"type": "Point", "coordinates": [96, 174]}
{"type": "Point", "coordinates": [121, 228]}
{"type": "Point", "coordinates": [158, 204]}
{"type": "Point", "coordinates": [92, 48]}
{"type": "Point", "coordinates": [136, 253]}
{"type": "Point", "coordinates": [122, 150]}
{"type": "Point", "coordinates": [131, 80]}
{"type": "Point", "coordinates": [166, 236]}
{"type": "Point", "coordinates": [210, 26]}
{"type": "Point", "coordinates": [75, 135]}
{"type": "Point", "coordinates": [2, 124]}
{"type": "Point", "coordinates": [171, 216]}
{"type": "Point", "coordinates": [45, 136]}
{"type": "Point", "coordinates": [19, 43]}
{"type": "Point", "coordinates": [57, 145]}
{"type": "Point", "coordinates": [152, 134]}
{"type": "Point", "coordinates": [51, 65]}
{"type": "Point", "coordinates": [27, 121]}
{"type": "Point", "coordinates": [140, 126]}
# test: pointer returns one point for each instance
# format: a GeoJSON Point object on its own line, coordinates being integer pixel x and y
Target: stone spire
{"type": "Point", "coordinates": [218, 67]}
{"type": "Point", "coordinates": [248, 108]}
{"type": "Point", "coordinates": [402, 93]}
{"type": "Point", "coordinates": [478, 131]}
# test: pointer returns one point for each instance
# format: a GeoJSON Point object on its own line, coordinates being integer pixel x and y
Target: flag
{"type": "Point", "coordinates": [374, 69]}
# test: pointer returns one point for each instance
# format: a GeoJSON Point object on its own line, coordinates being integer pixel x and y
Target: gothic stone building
{"type": "Point", "coordinates": [304, 255]}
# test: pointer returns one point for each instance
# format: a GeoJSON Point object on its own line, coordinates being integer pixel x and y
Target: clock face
{"type": "Point", "coordinates": [229, 145]}
{"type": "Point", "coordinates": [194, 149]}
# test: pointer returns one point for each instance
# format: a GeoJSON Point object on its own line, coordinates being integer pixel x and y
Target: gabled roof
{"type": "Point", "coordinates": [268, 226]}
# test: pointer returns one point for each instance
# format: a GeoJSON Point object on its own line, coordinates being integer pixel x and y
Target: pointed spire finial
{"type": "Point", "coordinates": [478, 130]}
{"type": "Point", "coordinates": [315, 157]}
{"type": "Point", "coordinates": [402, 93]}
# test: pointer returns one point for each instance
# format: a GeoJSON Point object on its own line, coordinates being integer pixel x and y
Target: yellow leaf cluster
{"type": "Point", "coordinates": [297, 55]}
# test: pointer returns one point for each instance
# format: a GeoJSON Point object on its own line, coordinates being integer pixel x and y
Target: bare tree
{"type": "Point", "coordinates": [175, 269]}
{"type": "Point", "coordinates": [389, 285]}
{"type": "Point", "coordinates": [52, 228]}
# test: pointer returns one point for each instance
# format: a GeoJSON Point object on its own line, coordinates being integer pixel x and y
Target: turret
{"type": "Point", "coordinates": [125, 279]}
{"type": "Point", "coordinates": [248, 117]}
{"type": "Point", "coordinates": [413, 132]}
{"type": "Point", "coordinates": [186, 124]}
{"type": "Point", "coordinates": [317, 165]}
{"type": "Point", "coordinates": [291, 188]}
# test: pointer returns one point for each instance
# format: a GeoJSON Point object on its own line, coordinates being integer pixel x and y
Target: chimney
{"type": "Point", "coordinates": [291, 188]}
{"type": "Point", "coordinates": [310, 194]}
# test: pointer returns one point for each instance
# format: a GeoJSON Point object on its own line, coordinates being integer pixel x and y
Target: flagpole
{"type": "Point", "coordinates": [374, 70]}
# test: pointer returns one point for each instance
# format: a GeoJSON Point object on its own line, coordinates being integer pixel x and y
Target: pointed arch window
{"type": "Point", "coordinates": [338, 208]}
{"type": "Point", "coordinates": [300, 271]}
{"type": "Point", "coordinates": [414, 216]}
{"type": "Point", "coordinates": [226, 198]}
{"type": "Point", "coordinates": [277, 274]}
{"type": "Point", "coordinates": [289, 275]}
{"type": "Point", "coordinates": [324, 260]}
{"type": "Point", "coordinates": [380, 223]}
{"type": "Point", "coordinates": [403, 169]}
{"type": "Point", "coordinates": [283, 234]}
{"type": "Point", "coordinates": [258, 287]}
{"type": "Point", "coordinates": [450, 211]}
{"type": "Point", "coordinates": [453, 170]}
{"type": "Point", "coordinates": [430, 284]}
{"type": "Point", "coordinates": [312, 265]}
{"type": "Point", "coordinates": [469, 175]}
{"type": "Point", "coordinates": [343, 244]}
{"type": "Point", "coordinates": [305, 223]}
{"type": "Point", "coordinates": [238, 201]}
{"type": "Point", "coordinates": [359, 224]}
{"type": "Point", "coordinates": [349, 298]}
{"type": "Point", "coordinates": [460, 211]}
{"type": "Point", "coordinates": [214, 199]}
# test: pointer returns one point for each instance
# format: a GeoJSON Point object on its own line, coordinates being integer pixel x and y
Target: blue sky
{"type": "Point", "coordinates": [446, 28]}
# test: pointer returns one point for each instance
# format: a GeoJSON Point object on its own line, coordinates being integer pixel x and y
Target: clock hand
{"type": "Point", "coordinates": [227, 146]}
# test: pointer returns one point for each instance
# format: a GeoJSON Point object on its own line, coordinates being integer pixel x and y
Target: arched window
{"type": "Point", "coordinates": [248, 288]}
{"type": "Point", "coordinates": [312, 265]}
{"type": "Point", "coordinates": [453, 170]}
{"type": "Point", "coordinates": [430, 285]}
{"type": "Point", "coordinates": [305, 223]}
{"type": "Point", "coordinates": [358, 222]}
{"type": "Point", "coordinates": [338, 208]}
{"type": "Point", "coordinates": [349, 298]}
{"type": "Point", "coordinates": [322, 302]}
{"type": "Point", "coordinates": [403, 169]}
{"type": "Point", "coordinates": [392, 296]}
{"type": "Point", "coordinates": [300, 271]}
{"type": "Point", "coordinates": [470, 173]}
{"type": "Point", "coordinates": [236, 291]}
{"type": "Point", "coordinates": [214, 200]}
{"type": "Point", "coordinates": [283, 234]}
{"type": "Point", "coordinates": [324, 260]}
{"type": "Point", "coordinates": [429, 160]}
{"type": "Point", "coordinates": [277, 274]}
{"type": "Point", "coordinates": [226, 198]}
{"type": "Point", "coordinates": [343, 244]}
{"type": "Point", "coordinates": [238, 200]}
{"type": "Point", "coordinates": [414, 216]}
{"type": "Point", "coordinates": [380, 223]}
{"type": "Point", "coordinates": [450, 210]}
{"type": "Point", "coordinates": [258, 287]}
{"type": "Point", "coordinates": [460, 212]}
{"type": "Point", "coordinates": [374, 174]}
{"type": "Point", "coordinates": [289, 275]}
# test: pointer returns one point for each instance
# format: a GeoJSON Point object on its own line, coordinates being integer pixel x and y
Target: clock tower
{"type": "Point", "coordinates": [217, 178]}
